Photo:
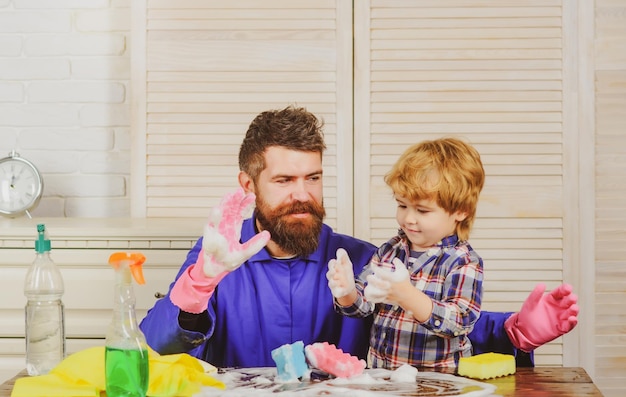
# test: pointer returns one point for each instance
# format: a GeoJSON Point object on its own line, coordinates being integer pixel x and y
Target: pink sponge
{"type": "Point", "coordinates": [332, 360]}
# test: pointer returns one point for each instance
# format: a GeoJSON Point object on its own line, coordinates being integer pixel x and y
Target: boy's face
{"type": "Point", "coordinates": [425, 222]}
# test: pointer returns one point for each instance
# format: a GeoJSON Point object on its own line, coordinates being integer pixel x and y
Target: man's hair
{"type": "Point", "coordinates": [292, 127]}
{"type": "Point", "coordinates": [447, 171]}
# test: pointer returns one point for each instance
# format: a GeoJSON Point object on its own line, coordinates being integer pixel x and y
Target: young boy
{"type": "Point", "coordinates": [424, 286]}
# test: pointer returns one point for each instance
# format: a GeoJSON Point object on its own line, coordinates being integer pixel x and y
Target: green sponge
{"type": "Point", "coordinates": [486, 365]}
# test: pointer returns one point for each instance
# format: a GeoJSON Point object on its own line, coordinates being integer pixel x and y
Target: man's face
{"type": "Point", "coordinates": [289, 199]}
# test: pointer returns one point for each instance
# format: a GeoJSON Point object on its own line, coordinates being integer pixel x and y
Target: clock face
{"type": "Point", "coordinates": [21, 186]}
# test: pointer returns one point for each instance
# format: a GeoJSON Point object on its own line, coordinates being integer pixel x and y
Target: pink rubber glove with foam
{"type": "Point", "coordinates": [221, 253]}
{"type": "Point", "coordinates": [543, 317]}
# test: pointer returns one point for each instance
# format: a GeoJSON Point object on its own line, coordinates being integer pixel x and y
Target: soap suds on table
{"type": "Point", "coordinates": [405, 381]}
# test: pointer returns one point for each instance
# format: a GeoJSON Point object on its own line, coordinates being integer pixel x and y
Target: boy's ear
{"type": "Point", "coordinates": [460, 216]}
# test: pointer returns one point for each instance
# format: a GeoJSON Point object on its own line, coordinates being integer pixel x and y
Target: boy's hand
{"type": "Point", "coordinates": [340, 275]}
{"type": "Point", "coordinates": [380, 284]}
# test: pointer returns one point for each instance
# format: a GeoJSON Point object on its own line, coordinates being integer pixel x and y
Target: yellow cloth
{"type": "Point", "coordinates": [82, 374]}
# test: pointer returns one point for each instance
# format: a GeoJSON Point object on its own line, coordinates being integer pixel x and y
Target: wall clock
{"type": "Point", "coordinates": [21, 186]}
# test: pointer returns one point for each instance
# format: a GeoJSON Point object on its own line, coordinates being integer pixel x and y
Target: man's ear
{"type": "Point", "coordinates": [246, 182]}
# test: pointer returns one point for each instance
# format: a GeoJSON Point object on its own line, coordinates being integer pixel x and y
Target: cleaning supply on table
{"type": "Point", "coordinates": [126, 350]}
{"type": "Point", "coordinates": [45, 316]}
{"type": "Point", "coordinates": [330, 359]}
{"type": "Point", "coordinates": [82, 374]}
{"type": "Point", "coordinates": [290, 362]}
{"type": "Point", "coordinates": [486, 365]}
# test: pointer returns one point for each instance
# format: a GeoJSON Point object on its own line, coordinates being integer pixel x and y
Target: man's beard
{"type": "Point", "coordinates": [296, 236]}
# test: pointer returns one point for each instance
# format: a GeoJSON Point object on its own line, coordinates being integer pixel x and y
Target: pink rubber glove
{"type": "Point", "coordinates": [340, 275]}
{"type": "Point", "coordinates": [221, 253]}
{"type": "Point", "coordinates": [543, 317]}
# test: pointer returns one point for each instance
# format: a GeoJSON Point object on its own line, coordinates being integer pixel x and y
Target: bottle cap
{"type": "Point", "coordinates": [133, 260]}
{"type": "Point", "coordinates": [42, 244]}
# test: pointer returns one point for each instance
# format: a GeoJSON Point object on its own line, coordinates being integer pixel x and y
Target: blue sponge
{"type": "Point", "coordinates": [290, 361]}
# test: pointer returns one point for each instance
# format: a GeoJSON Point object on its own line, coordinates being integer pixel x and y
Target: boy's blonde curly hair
{"type": "Point", "coordinates": [447, 171]}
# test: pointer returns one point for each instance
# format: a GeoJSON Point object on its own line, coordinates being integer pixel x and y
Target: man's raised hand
{"type": "Point", "coordinates": [221, 253]}
{"type": "Point", "coordinates": [221, 247]}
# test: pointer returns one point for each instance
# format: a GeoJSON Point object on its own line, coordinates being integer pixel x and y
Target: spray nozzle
{"type": "Point", "coordinates": [133, 260]}
{"type": "Point", "coordinates": [42, 244]}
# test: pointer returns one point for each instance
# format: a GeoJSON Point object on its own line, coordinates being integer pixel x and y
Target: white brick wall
{"type": "Point", "coordinates": [64, 81]}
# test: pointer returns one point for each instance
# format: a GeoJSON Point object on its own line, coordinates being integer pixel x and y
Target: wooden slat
{"type": "Point", "coordinates": [241, 4]}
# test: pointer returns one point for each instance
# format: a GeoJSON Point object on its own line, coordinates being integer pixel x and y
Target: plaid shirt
{"type": "Point", "coordinates": [451, 274]}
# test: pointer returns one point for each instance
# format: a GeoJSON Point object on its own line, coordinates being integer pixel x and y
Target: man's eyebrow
{"type": "Point", "coordinates": [282, 176]}
{"type": "Point", "coordinates": [289, 176]}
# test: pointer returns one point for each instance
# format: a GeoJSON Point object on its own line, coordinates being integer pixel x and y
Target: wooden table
{"type": "Point", "coordinates": [6, 387]}
{"type": "Point", "coordinates": [547, 382]}
{"type": "Point", "coordinates": [527, 382]}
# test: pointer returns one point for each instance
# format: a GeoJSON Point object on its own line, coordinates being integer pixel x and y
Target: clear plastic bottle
{"type": "Point", "coordinates": [126, 351]}
{"type": "Point", "coordinates": [45, 315]}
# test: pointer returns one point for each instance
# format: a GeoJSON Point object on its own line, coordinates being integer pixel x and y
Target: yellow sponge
{"type": "Point", "coordinates": [486, 365]}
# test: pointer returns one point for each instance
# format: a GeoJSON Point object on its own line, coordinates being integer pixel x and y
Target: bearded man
{"type": "Point", "coordinates": [250, 286]}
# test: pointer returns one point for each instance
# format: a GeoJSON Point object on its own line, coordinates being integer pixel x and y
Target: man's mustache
{"type": "Point", "coordinates": [298, 207]}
